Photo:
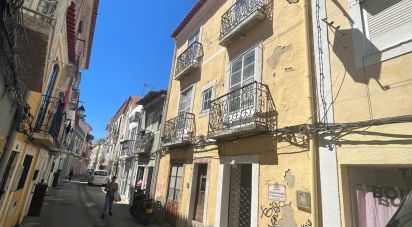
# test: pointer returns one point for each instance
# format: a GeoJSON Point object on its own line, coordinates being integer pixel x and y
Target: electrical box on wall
{"type": "Point", "coordinates": [303, 200]}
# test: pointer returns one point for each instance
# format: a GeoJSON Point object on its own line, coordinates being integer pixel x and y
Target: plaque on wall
{"type": "Point", "coordinates": [277, 192]}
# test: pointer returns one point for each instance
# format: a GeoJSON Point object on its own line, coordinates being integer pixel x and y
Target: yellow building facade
{"type": "Point", "coordinates": [50, 76]}
{"type": "Point", "coordinates": [226, 162]}
{"type": "Point", "coordinates": [366, 64]}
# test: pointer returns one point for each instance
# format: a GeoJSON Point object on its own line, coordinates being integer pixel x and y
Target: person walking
{"type": "Point", "coordinates": [111, 189]}
{"type": "Point", "coordinates": [71, 173]}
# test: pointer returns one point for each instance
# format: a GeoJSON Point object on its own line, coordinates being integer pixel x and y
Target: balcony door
{"type": "Point", "coordinates": [185, 106]}
{"type": "Point", "coordinates": [194, 38]}
{"type": "Point", "coordinates": [241, 98]}
{"type": "Point", "coordinates": [47, 94]}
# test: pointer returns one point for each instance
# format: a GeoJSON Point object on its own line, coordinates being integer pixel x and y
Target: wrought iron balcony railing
{"type": "Point", "coordinates": [140, 143]}
{"type": "Point", "coordinates": [50, 118]}
{"type": "Point", "coordinates": [190, 59]}
{"type": "Point", "coordinates": [247, 110]}
{"type": "Point", "coordinates": [242, 14]}
{"type": "Point", "coordinates": [45, 10]}
{"type": "Point", "coordinates": [179, 130]}
{"type": "Point", "coordinates": [136, 116]}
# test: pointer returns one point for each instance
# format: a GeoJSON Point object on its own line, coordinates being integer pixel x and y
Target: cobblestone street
{"type": "Point", "coordinates": [74, 203]}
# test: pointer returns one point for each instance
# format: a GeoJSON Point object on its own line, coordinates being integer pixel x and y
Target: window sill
{"type": "Point", "coordinates": [204, 114]}
{"type": "Point", "coordinates": [389, 53]}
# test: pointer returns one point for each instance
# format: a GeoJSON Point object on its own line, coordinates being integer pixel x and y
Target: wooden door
{"type": "Point", "coordinates": [173, 194]}
{"type": "Point", "coordinates": [200, 193]}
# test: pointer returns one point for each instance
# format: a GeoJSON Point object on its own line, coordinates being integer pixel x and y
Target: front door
{"type": "Point", "coordinates": [173, 194]}
{"type": "Point", "coordinates": [240, 195]}
{"type": "Point", "coordinates": [200, 193]}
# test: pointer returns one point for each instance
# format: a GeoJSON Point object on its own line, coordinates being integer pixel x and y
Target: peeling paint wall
{"type": "Point", "coordinates": [283, 65]}
{"type": "Point", "coordinates": [362, 93]}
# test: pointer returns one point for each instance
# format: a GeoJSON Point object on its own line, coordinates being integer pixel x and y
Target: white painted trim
{"type": "Point", "coordinates": [207, 193]}
{"type": "Point", "coordinates": [222, 197]}
{"type": "Point", "coordinates": [329, 182]}
{"type": "Point", "coordinates": [254, 212]}
{"type": "Point", "coordinates": [222, 202]}
{"type": "Point", "coordinates": [240, 159]}
{"type": "Point", "coordinates": [362, 48]}
{"type": "Point", "coordinates": [193, 98]}
{"type": "Point", "coordinates": [398, 50]}
{"type": "Point", "coordinates": [205, 87]}
{"type": "Point", "coordinates": [192, 193]}
{"type": "Point", "coordinates": [213, 56]}
{"type": "Point", "coordinates": [200, 33]}
{"type": "Point", "coordinates": [258, 62]}
{"type": "Point", "coordinates": [258, 65]}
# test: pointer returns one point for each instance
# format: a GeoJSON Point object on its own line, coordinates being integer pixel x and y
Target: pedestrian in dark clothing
{"type": "Point", "coordinates": [71, 174]}
{"type": "Point", "coordinates": [111, 189]}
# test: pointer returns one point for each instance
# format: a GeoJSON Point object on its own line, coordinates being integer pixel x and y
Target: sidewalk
{"type": "Point", "coordinates": [74, 203]}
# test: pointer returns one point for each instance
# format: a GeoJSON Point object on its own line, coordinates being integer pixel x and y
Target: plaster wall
{"type": "Point", "coordinates": [362, 93]}
{"type": "Point", "coordinates": [282, 65]}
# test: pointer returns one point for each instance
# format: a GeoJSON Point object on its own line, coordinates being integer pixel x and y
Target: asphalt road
{"type": "Point", "coordinates": [76, 204]}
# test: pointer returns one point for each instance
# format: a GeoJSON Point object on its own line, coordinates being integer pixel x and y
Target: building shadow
{"type": "Point", "coordinates": [343, 47]}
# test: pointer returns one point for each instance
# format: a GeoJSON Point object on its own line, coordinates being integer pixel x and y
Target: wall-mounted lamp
{"type": "Point", "coordinates": [292, 1]}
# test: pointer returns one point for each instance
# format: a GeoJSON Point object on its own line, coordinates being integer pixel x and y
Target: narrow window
{"type": "Point", "coordinates": [185, 104]}
{"type": "Point", "coordinates": [206, 99]}
{"type": "Point", "coordinates": [175, 182]}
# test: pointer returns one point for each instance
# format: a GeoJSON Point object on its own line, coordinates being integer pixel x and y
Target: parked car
{"type": "Point", "coordinates": [98, 177]}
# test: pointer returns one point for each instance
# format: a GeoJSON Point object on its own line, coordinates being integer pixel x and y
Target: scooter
{"type": "Point", "coordinates": [142, 207]}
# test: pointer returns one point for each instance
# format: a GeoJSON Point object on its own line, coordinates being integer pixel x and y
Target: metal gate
{"type": "Point", "coordinates": [240, 195]}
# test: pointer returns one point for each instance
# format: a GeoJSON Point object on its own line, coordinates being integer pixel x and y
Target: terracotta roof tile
{"type": "Point", "coordinates": [188, 17]}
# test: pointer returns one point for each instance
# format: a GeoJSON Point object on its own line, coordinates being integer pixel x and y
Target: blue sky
{"type": "Point", "coordinates": [131, 46]}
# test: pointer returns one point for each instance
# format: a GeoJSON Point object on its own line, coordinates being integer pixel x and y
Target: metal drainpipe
{"type": "Point", "coordinates": [312, 85]}
{"type": "Point", "coordinates": [164, 117]}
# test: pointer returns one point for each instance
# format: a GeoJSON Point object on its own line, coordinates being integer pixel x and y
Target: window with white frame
{"type": "Point", "coordinates": [242, 72]}
{"type": "Point", "coordinates": [175, 182]}
{"type": "Point", "coordinates": [194, 38]}
{"type": "Point", "coordinates": [207, 96]}
{"type": "Point", "coordinates": [185, 103]}
{"type": "Point", "coordinates": [387, 23]}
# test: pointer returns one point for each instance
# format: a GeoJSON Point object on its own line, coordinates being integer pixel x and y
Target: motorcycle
{"type": "Point", "coordinates": [142, 207]}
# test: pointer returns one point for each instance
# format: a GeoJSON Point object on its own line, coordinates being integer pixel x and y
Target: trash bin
{"type": "Point", "coordinates": [37, 200]}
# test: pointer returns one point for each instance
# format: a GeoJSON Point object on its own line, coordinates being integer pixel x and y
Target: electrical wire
{"type": "Point", "coordinates": [10, 21]}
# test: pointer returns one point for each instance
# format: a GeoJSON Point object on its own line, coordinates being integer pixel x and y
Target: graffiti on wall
{"type": "Point", "coordinates": [272, 212]}
{"type": "Point", "coordinates": [279, 214]}
{"type": "Point", "coordinates": [308, 223]}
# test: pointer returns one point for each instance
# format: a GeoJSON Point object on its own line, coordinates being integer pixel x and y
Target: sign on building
{"type": "Point", "coordinates": [277, 192]}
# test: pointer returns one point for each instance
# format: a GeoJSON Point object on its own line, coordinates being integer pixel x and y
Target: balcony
{"type": "Point", "coordinates": [179, 130]}
{"type": "Point", "coordinates": [241, 17]}
{"type": "Point", "coordinates": [43, 10]}
{"type": "Point", "coordinates": [246, 111]}
{"type": "Point", "coordinates": [49, 128]}
{"type": "Point", "coordinates": [189, 60]}
{"type": "Point", "coordinates": [140, 144]}
{"type": "Point", "coordinates": [38, 19]}
{"type": "Point", "coordinates": [135, 117]}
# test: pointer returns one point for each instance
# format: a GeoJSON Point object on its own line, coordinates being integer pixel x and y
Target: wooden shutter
{"type": "Point", "coordinates": [388, 22]}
